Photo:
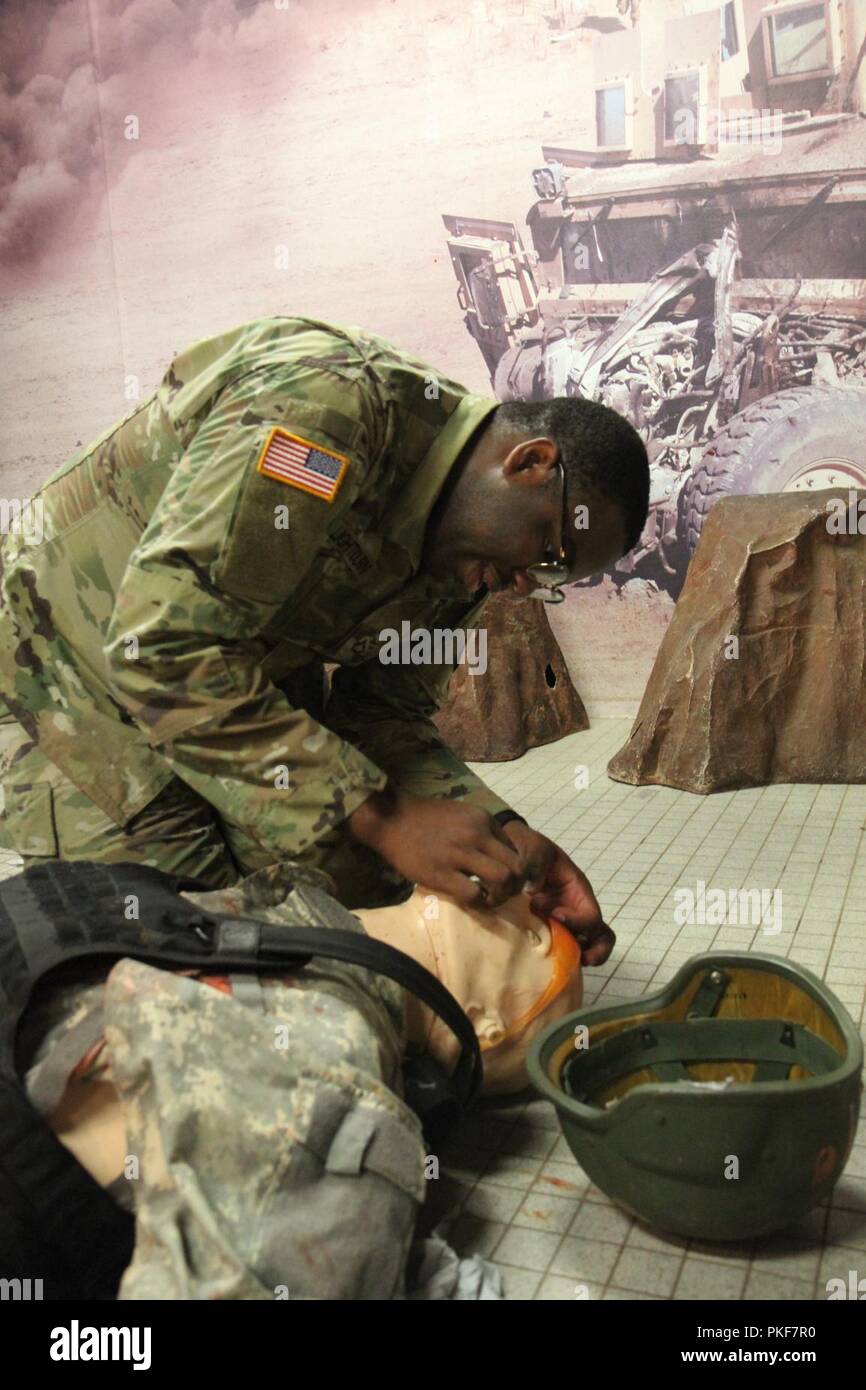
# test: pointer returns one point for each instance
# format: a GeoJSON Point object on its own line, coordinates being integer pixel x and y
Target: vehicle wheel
{"type": "Point", "coordinates": [803, 439]}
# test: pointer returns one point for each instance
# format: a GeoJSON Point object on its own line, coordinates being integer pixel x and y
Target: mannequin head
{"type": "Point", "coordinates": [511, 973]}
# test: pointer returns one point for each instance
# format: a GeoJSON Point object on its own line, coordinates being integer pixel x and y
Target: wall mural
{"type": "Point", "coordinates": [659, 205]}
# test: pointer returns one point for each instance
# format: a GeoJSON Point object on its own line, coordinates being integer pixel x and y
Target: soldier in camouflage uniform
{"type": "Point", "coordinates": [289, 491]}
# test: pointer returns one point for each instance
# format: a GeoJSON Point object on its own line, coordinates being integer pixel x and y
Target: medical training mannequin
{"type": "Point", "coordinates": [511, 973]}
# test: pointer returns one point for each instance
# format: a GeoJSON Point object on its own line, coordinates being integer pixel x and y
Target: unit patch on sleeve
{"type": "Point", "coordinates": [290, 459]}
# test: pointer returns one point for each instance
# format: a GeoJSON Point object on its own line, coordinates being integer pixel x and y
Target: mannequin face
{"type": "Point", "coordinates": [511, 973]}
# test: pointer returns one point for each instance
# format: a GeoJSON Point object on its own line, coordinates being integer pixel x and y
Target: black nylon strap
{"type": "Point", "coordinates": [59, 912]}
{"type": "Point", "coordinates": [301, 943]}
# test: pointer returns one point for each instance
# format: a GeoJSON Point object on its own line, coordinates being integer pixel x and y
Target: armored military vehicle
{"type": "Point", "coordinates": [700, 266]}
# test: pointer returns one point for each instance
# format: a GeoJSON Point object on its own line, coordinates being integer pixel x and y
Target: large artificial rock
{"type": "Point", "coordinates": [760, 675]}
{"type": "Point", "coordinates": [525, 697]}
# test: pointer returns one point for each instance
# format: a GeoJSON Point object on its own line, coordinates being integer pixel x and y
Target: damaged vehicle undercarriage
{"type": "Point", "coordinates": [684, 365]}
{"type": "Point", "coordinates": [741, 361]}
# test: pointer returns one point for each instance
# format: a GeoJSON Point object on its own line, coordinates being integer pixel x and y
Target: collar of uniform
{"type": "Point", "coordinates": [407, 521]}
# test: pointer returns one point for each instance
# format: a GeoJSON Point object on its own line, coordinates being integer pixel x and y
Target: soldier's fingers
{"type": "Point", "coordinates": [501, 850]}
{"type": "Point", "coordinates": [596, 945]}
{"type": "Point", "coordinates": [501, 880]}
{"type": "Point", "coordinates": [463, 889]}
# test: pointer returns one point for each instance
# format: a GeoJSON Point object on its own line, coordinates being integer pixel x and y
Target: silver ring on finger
{"type": "Point", "coordinates": [480, 885]}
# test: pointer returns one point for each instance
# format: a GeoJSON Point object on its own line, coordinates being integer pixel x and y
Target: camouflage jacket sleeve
{"type": "Point", "coordinates": [386, 711]}
{"type": "Point", "coordinates": [185, 647]}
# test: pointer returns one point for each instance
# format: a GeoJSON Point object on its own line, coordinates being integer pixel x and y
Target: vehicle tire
{"type": "Point", "coordinates": [803, 439]}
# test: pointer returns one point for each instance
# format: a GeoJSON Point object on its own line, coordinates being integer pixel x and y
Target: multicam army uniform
{"type": "Point", "coordinates": [161, 648]}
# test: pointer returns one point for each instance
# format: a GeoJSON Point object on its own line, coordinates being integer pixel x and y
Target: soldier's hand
{"type": "Point", "coordinates": [441, 844]}
{"type": "Point", "coordinates": [561, 890]}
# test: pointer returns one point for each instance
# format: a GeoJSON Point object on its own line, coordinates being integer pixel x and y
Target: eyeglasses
{"type": "Point", "coordinates": [553, 570]}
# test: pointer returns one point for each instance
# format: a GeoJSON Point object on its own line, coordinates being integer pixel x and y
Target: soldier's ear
{"type": "Point", "coordinates": [534, 457]}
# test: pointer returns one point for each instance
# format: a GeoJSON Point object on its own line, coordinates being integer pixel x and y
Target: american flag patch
{"type": "Point", "coordinates": [296, 461]}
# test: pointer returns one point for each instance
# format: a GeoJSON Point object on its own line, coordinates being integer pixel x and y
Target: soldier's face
{"type": "Point", "coordinates": [509, 512]}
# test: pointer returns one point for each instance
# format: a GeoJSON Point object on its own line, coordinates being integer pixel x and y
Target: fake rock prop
{"type": "Point", "coordinates": [525, 696]}
{"type": "Point", "coordinates": [760, 675]}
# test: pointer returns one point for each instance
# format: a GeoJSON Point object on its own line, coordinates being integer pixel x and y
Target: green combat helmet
{"type": "Point", "coordinates": [722, 1108]}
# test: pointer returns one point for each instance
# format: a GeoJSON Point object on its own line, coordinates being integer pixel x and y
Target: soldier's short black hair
{"type": "Point", "coordinates": [599, 448]}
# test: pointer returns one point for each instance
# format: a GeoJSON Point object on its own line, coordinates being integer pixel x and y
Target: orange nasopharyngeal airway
{"type": "Point", "coordinates": [565, 958]}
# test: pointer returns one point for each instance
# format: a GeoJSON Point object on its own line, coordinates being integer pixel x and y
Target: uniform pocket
{"type": "Point", "coordinates": [27, 823]}
{"type": "Point", "coordinates": [340, 1216]}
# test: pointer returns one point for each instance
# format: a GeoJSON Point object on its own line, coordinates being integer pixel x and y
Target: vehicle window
{"type": "Point", "coordinates": [799, 41]}
{"type": "Point", "coordinates": [610, 116]}
{"type": "Point", "coordinates": [682, 108]}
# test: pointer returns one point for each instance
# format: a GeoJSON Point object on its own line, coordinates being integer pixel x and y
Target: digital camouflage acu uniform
{"type": "Point", "coordinates": [161, 644]}
{"type": "Point", "coordinates": [268, 1153]}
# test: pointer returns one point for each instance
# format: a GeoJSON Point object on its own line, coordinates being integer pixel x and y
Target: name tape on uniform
{"type": "Point", "coordinates": [299, 463]}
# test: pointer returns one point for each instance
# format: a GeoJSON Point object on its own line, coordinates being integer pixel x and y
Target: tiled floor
{"type": "Point", "coordinates": [510, 1188]}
